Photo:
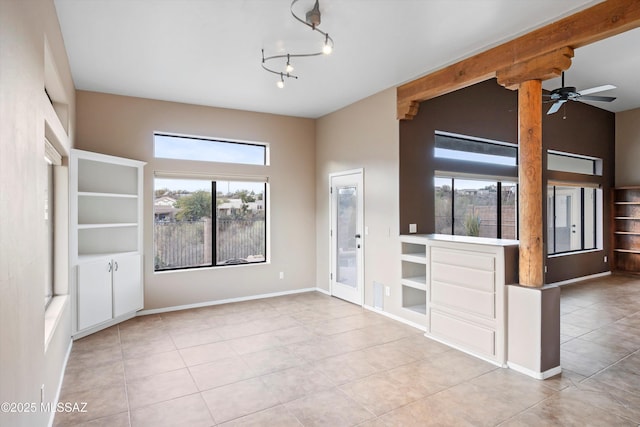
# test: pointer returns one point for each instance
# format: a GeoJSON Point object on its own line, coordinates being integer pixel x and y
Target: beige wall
{"type": "Point", "coordinates": [124, 126]}
{"type": "Point", "coordinates": [363, 135]}
{"type": "Point", "coordinates": [24, 365]}
{"type": "Point", "coordinates": [627, 147]}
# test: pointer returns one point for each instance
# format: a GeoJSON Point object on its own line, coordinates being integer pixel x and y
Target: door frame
{"type": "Point", "coordinates": [360, 254]}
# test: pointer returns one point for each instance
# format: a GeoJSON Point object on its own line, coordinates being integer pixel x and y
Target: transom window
{"type": "Point", "coordinates": [209, 150]}
{"type": "Point", "coordinates": [455, 147]}
{"type": "Point", "coordinates": [566, 162]}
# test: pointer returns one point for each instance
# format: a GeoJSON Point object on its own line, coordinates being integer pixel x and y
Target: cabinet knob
{"type": "Point", "coordinates": [116, 265]}
{"type": "Point", "coordinates": [110, 267]}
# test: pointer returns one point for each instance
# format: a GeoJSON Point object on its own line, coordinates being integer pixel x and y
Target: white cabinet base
{"type": "Point", "coordinates": [127, 289]}
{"type": "Point", "coordinates": [94, 293]}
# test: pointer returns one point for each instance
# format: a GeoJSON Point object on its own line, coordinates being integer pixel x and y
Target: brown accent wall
{"type": "Point", "coordinates": [473, 111]}
{"type": "Point", "coordinates": [487, 110]}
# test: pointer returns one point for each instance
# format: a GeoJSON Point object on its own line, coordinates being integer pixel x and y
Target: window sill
{"type": "Point", "coordinates": [215, 267]}
{"type": "Point", "coordinates": [52, 316]}
{"type": "Point", "coordinates": [573, 253]}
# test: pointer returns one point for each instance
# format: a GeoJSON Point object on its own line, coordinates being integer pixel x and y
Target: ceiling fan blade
{"type": "Point", "coordinates": [596, 98]}
{"type": "Point", "coordinates": [596, 89]}
{"type": "Point", "coordinates": [555, 107]}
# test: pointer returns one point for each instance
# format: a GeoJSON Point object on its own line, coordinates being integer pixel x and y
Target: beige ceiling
{"type": "Point", "coordinates": [208, 51]}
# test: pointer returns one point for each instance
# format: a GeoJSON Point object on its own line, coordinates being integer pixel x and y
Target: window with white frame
{"type": "Point", "coordinates": [52, 159]}
{"type": "Point", "coordinates": [209, 222]}
{"type": "Point", "coordinates": [571, 218]}
{"type": "Point", "coordinates": [574, 213]}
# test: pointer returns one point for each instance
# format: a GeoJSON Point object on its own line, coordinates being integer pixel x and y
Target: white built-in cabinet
{"type": "Point", "coordinates": [457, 285]}
{"type": "Point", "coordinates": [106, 239]}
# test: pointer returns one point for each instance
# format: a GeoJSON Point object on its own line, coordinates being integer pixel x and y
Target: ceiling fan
{"type": "Point", "coordinates": [569, 93]}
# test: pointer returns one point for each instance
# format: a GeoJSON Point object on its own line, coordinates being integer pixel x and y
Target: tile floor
{"type": "Point", "coordinates": [310, 360]}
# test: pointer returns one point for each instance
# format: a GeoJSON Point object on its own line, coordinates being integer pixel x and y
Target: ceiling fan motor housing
{"type": "Point", "coordinates": [565, 93]}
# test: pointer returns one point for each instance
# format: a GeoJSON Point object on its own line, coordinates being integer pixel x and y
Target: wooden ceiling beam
{"type": "Point", "coordinates": [598, 22]}
{"type": "Point", "coordinates": [541, 67]}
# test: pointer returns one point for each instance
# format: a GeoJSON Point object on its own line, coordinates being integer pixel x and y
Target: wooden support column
{"type": "Point", "coordinates": [530, 172]}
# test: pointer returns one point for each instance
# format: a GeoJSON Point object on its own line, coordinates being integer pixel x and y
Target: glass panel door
{"type": "Point", "coordinates": [346, 237]}
{"type": "Point", "coordinates": [346, 230]}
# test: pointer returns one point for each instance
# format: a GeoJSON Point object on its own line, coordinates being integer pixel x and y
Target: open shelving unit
{"type": "Point", "coordinates": [414, 275]}
{"type": "Point", "coordinates": [626, 228]}
{"type": "Point", "coordinates": [106, 239]}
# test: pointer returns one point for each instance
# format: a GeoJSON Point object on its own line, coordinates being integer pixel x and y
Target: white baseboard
{"type": "Point", "coordinates": [580, 279]}
{"type": "Point", "coordinates": [323, 291]}
{"type": "Point", "coordinates": [464, 350]}
{"type": "Point", "coordinates": [103, 325]}
{"type": "Point", "coordinates": [226, 301]}
{"type": "Point", "coordinates": [64, 368]}
{"type": "Point", "coordinates": [533, 374]}
{"type": "Point", "coordinates": [396, 318]}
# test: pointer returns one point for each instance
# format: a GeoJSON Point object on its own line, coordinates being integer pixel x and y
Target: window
{"type": "Point", "coordinates": [202, 222]}
{"type": "Point", "coordinates": [571, 219]}
{"type": "Point", "coordinates": [205, 223]}
{"type": "Point", "coordinates": [474, 207]}
{"type": "Point", "coordinates": [565, 162]}
{"type": "Point", "coordinates": [52, 159]}
{"type": "Point", "coordinates": [450, 146]}
{"type": "Point", "coordinates": [209, 150]}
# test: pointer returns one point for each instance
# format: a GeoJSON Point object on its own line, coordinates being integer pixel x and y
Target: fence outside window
{"type": "Point", "coordinates": [182, 244]}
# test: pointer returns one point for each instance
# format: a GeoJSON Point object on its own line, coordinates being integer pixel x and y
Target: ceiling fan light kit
{"type": "Point", "coordinates": [313, 18]}
{"type": "Point", "coordinates": [569, 93]}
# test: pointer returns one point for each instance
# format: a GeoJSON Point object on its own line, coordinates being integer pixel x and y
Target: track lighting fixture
{"type": "Point", "coordinates": [312, 20]}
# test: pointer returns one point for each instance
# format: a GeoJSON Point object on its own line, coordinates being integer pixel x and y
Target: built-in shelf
{"type": "Point", "coordinates": [413, 281]}
{"type": "Point", "coordinates": [420, 308]}
{"type": "Point", "coordinates": [626, 228]}
{"type": "Point", "coordinates": [417, 258]}
{"type": "Point", "coordinates": [105, 240]}
{"type": "Point", "coordinates": [99, 256]}
{"type": "Point", "coordinates": [419, 282]}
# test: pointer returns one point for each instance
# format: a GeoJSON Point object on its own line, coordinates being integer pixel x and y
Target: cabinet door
{"type": "Point", "coordinates": [94, 293]}
{"type": "Point", "coordinates": [127, 284]}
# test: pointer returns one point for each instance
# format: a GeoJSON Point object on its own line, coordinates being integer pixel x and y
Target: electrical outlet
{"type": "Point", "coordinates": [282, 274]}
{"type": "Point", "coordinates": [387, 291]}
{"type": "Point", "coordinates": [605, 258]}
{"type": "Point", "coordinates": [413, 228]}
